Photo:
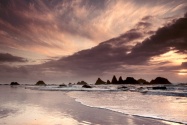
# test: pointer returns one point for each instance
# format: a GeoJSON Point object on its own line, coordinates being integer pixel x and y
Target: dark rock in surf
{"type": "Point", "coordinates": [14, 83]}
{"type": "Point", "coordinates": [86, 86]}
{"type": "Point", "coordinates": [40, 83]}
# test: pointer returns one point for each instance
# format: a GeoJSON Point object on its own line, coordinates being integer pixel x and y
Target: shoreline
{"type": "Point", "coordinates": [66, 105]}
{"type": "Point", "coordinates": [138, 116]}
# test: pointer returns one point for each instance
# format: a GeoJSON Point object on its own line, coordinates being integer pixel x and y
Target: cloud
{"type": "Point", "coordinates": [114, 53]}
{"type": "Point", "coordinates": [6, 57]}
{"type": "Point", "coordinates": [58, 27]}
{"type": "Point", "coordinates": [170, 37]}
{"type": "Point", "coordinates": [184, 64]}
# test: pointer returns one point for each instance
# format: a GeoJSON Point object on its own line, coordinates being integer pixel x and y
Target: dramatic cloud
{"type": "Point", "coordinates": [5, 57]}
{"type": "Point", "coordinates": [114, 54]}
{"type": "Point", "coordinates": [141, 38]}
{"type": "Point", "coordinates": [62, 27]}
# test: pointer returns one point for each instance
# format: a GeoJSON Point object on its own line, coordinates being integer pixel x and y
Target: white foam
{"type": "Point", "coordinates": [138, 106]}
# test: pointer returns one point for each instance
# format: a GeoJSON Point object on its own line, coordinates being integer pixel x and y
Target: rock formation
{"type": "Point", "coordinates": [160, 80]}
{"type": "Point", "coordinates": [130, 80]}
{"type": "Point", "coordinates": [99, 82]}
{"type": "Point", "coordinates": [81, 83]}
{"type": "Point", "coordinates": [120, 80]}
{"type": "Point", "coordinates": [108, 82]}
{"type": "Point", "coordinates": [86, 86]}
{"type": "Point", "coordinates": [40, 83]}
{"type": "Point", "coordinates": [114, 80]}
{"type": "Point", "coordinates": [143, 81]}
{"type": "Point", "coordinates": [14, 83]}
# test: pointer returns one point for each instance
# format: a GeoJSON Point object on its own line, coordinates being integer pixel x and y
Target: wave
{"type": "Point", "coordinates": [119, 108]}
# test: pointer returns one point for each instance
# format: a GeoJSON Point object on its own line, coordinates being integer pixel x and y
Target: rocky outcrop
{"type": "Point", "coordinates": [82, 83]}
{"type": "Point", "coordinates": [130, 80]}
{"type": "Point", "coordinates": [14, 83]}
{"type": "Point", "coordinates": [114, 80]}
{"type": "Point", "coordinates": [40, 83]}
{"type": "Point", "coordinates": [120, 81]}
{"type": "Point", "coordinates": [108, 82]}
{"type": "Point", "coordinates": [143, 81]}
{"type": "Point", "coordinates": [99, 82]}
{"type": "Point", "coordinates": [160, 80]}
{"type": "Point", "coordinates": [86, 86]}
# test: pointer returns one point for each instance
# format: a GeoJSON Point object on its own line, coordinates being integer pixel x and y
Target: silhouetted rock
{"type": "Point", "coordinates": [160, 80]}
{"type": "Point", "coordinates": [143, 81]}
{"type": "Point", "coordinates": [86, 86]}
{"type": "Point", "coordinates": [62, 85]}
{"type": "Point", "coordinates": [114, 80]}
{"type": "Point", "coordinates": [130, 80]}
{"type": "Point", "coordinates": [159, 88]}
{"type": "Point", "coordinates": [81, 83]}
{"type": "Point", "coordinates": [40, 83]}
{"type": "Point", "coordinates": [99, 82]}
{"type": "Point", "coordinates": [108, 82]}
{"type": "Point", "coordinates": [14, 83]}
{"type": "Point", "coordinates": [120, 80]}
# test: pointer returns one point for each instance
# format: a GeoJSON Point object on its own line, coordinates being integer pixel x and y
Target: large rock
{"type": "Point", "coordinates": [114, 80]}
{"type": "Point", "coordinates": [40, 83]}
{"type": "Point", "coordinates": [160, 80]}
{"type": "Point", "coordinates": [130, 80]}
{"type": "Point", "coordinates": [108, 82]}
{"type": "Point", "coordinates": [120, 81]}
{"type": "Point", "coordinates": [14, 83]}
{"type": "Point", "coordinates": [82, 83]}
{"type": "Point", "coordinates": [99, 82]}
{"type": "Point", "coordinates": [143, 81]}
{"type": "Point", "coordinates": [86, 86]}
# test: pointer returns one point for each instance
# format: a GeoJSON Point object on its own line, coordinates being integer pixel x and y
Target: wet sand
{"type": "Point", "coordinates": [31, 107]}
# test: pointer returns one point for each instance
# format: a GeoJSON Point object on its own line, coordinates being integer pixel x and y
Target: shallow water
{"type": "Point", "coordinates": [172, 108]}
{"type": "Point", "coordinates": [20, 106]}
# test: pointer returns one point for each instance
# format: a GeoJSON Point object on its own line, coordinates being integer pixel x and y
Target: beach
{"type": "Point", "coordinates": [20, 106]}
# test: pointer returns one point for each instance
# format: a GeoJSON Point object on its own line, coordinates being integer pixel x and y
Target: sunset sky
{"type": "Point", "coordinates": [62, 41]}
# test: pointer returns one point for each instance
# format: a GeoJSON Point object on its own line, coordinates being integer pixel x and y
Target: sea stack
{"type": "Point", "coordinates": [14, 83]}
{"type": "Point", "coordinates": [82, 83]}
{"type": "Point", "coordinates": [99, 82]}
{"type": "Point", "coordinates": [114, 80]}
{"type": "Point", "coordinates": [130, 80]}
{"type": "Point", "coordinates": [160, 80]}
{"type": "Point", "coordinates": [40, 83]}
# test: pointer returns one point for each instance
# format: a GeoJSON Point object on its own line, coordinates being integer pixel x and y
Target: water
{"type": "Point", "coordinates": [171, 108]}
{"type": "Point", "coordinates": [20, 106]}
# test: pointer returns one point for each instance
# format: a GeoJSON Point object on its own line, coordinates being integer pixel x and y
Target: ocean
{"type": "Point", "coordinates": [20, 106]}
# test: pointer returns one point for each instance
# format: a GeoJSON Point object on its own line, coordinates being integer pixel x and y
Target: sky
{"type": "Point", "coordinates": [62, 41]}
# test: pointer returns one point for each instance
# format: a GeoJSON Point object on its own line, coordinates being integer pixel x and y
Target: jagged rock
{"type": "Point", "coordinates": [160, 80]}
{"type": "Point", "coordinates": [120, 80]}
{"type": "Point", "coordinates": [81, 83]}
{"type": "Point", "coordinates": [130, 80]}
{"type": "Point", "coordinates": [40, 83]}
{"type": "Point", "coordinates": [143, 81]}
{"type": "Point", "coordinates": [86, 86]}
{"type": "Point", "coordinates": [159, 88]}
{"type": "Point", "coordinates": [108, 82]}
{"type": "Point", "coordinates": [114, 80]}
{"type": "Point", "coordinates": [14, 83]}
{"type": "Point", "coordinates": [99, 82]}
